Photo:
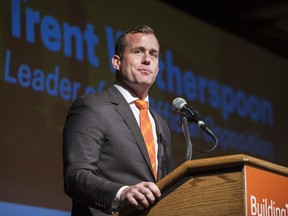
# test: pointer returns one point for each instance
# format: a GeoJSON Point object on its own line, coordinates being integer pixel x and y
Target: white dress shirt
{"type": "Point", "coordinates": [130, 100]}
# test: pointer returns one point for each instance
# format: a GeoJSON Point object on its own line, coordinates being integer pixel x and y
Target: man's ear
{"type": "Point", "coordinates": [116, 62]}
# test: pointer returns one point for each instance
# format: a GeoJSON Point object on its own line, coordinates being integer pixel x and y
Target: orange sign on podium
{"type": "Point", "coordinates": [266, 193]}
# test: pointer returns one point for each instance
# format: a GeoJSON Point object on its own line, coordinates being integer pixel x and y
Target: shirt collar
{"type": "Point", "coordinates": [128, 96]}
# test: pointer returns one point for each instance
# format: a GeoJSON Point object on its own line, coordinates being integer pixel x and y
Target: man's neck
{"type": "Point", "coordinates": [136, 90]}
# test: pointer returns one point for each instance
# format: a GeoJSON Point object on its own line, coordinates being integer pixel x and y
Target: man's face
{"type": "Point", "coordinates": [139, 65]}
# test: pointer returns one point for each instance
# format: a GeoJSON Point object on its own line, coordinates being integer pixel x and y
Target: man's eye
{"type": "Point", "coordinates": [155, 55]}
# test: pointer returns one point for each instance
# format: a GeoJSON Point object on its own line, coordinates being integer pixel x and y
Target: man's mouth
{"type": "Point", "coordinates": [145, 71]}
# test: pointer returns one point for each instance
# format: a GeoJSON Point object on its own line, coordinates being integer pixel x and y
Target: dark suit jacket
{"type": "Point", "coordinates": [103, 150]}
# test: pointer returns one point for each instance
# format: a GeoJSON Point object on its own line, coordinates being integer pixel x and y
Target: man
{"type": "Point", "coordinates": [106, 161]}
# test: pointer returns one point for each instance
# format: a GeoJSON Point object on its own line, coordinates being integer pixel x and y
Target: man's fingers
{"type": "Point", "coordinates": [150, 193]}
{"type": "Point", "coordinates": [141, 195]}
{"type": "Point", "coordinates": [135, 200]}
{"type": "Point", "coordinates": [153, 188]}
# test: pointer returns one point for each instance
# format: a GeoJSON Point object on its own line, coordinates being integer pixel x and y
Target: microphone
{"type": "Point", "coordinates": [180, 105]}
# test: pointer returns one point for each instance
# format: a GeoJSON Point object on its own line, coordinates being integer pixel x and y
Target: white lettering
{"type": "Point", "coordinates": [266, 207]}
{"type": "Point", "coordinates": [253, 205]}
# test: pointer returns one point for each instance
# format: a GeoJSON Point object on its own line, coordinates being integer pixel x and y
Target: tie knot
{"type": "Point", "coordinates": [141, 104]}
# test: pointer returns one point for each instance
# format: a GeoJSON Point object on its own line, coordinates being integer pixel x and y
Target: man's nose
{"type": "Point", "coordinates": [146, 58]}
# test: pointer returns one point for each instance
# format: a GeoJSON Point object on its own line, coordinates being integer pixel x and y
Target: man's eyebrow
{"type": "Point", "coordinates": [137, 47]}
{"type": "Point", "coordinates": [143, 48]}
{"type": "Point", "coordinates": [154, 50]}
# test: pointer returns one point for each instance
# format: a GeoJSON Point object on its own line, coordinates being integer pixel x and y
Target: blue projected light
{"type": "Point", "coordinates": [12, 209]}
{"type": "Point", "coordinates": [80, 43]}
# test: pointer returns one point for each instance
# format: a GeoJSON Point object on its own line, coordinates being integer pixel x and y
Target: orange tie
{"type": "Point", "coordinates": [146, 129]}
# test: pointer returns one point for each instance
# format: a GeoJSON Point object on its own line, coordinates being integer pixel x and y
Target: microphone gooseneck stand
{"type": "Point", "coordinates": [189, 145]}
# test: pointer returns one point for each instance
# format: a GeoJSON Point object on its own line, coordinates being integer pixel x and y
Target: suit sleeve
{"type": "Point", "coordinates": [83, 137]}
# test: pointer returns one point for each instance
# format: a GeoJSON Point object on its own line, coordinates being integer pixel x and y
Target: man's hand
{"type": "Point", "coordinates": [141, 195]}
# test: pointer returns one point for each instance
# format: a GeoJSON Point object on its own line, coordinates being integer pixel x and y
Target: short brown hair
{"type": "Point", "coordinates": [121, 42]}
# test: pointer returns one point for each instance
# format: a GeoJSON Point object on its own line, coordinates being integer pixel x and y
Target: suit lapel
{"type": "Point", "coordinates": [125, 111]}
{"type": "Point", "coordinates": [160, 140]}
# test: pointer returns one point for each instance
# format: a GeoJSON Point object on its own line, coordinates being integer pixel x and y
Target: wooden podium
{"type": "Point", "coordinates": [226, 185]}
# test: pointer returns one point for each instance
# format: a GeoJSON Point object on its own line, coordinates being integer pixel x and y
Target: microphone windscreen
{"type": "Point", "coordinates": [178, 103]}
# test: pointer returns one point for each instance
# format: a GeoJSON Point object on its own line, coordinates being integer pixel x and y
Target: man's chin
{"type": "Point", "coordinates": [147, 82]}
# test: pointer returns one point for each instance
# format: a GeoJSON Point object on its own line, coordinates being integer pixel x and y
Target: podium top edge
{"type": "Point", "coordinates": [219, 163]}
{"type": "Point", "coordinates": [239, 160]}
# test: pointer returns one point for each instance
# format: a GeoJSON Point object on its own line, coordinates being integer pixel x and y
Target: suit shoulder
{"type": "Point", "coordinates": [92, 100]}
